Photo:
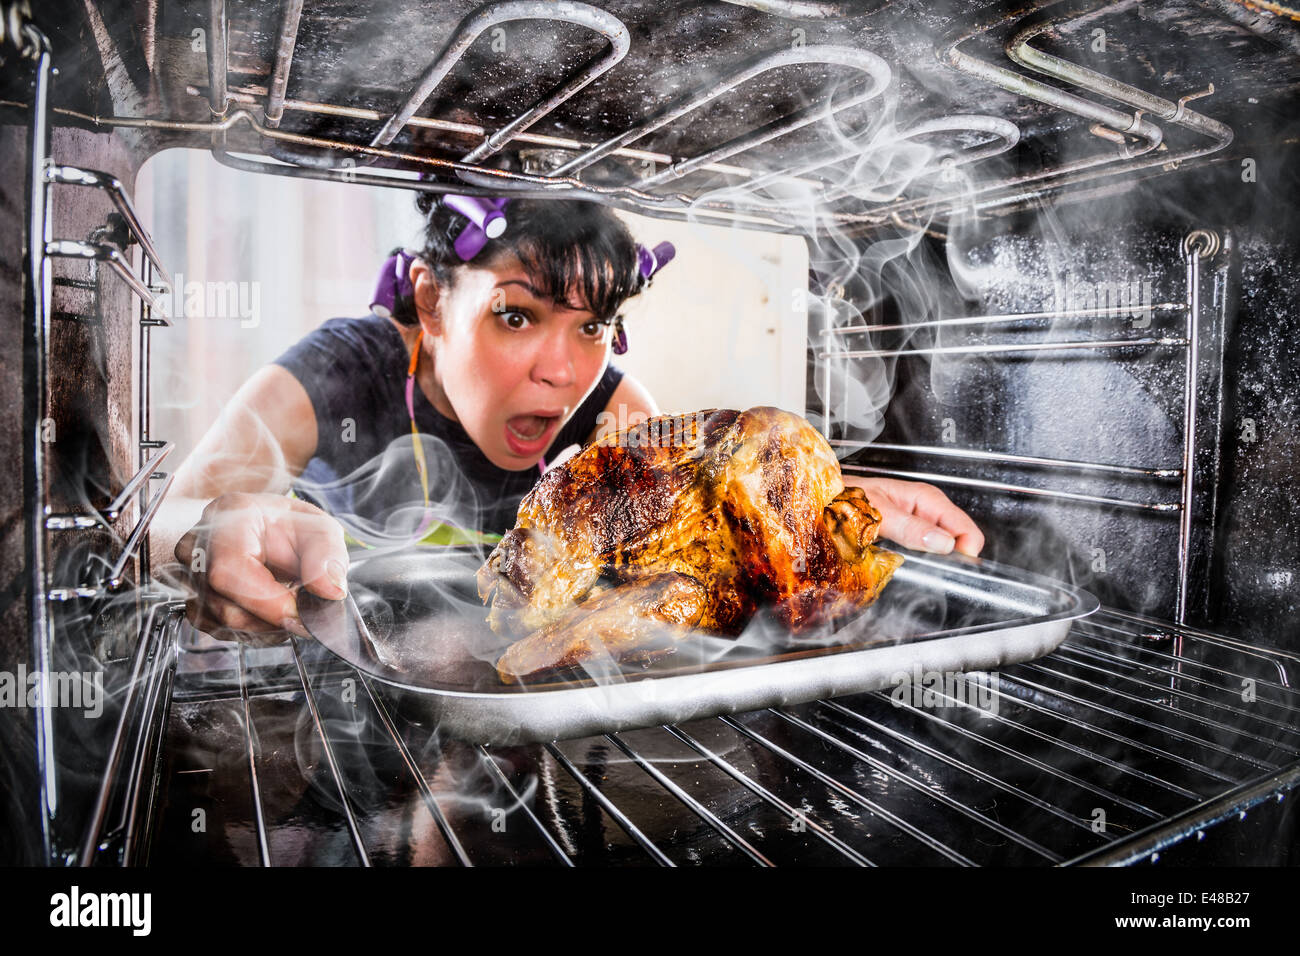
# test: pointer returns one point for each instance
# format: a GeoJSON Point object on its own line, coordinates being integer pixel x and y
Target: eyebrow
{"type": "Point", "coordinates": [520, 282]}
{"type": "Point", "coordinates": [535, 293]}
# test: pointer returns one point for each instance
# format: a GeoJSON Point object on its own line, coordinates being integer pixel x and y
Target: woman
{"type": "Point", "coordinates": [433, 422]}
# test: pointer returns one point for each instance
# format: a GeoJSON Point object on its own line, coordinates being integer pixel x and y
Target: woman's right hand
{"type": "Point", "coordinates": [245, 556]}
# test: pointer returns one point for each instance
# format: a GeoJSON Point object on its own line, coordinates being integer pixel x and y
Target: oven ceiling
{"type": "Point", "coordinates": [145, 59]}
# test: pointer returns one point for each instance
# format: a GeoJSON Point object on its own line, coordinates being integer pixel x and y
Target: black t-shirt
{"type": "Point", "coordinates": [364, 472]}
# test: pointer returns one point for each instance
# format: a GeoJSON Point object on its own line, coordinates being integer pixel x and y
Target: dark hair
{"type": "Point", "coordinates": [566, 246]}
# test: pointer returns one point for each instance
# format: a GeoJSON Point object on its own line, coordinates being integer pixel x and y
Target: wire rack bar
{"type": "Point", "coordinates": [504, 781]}
{"type": "Point", "coordinates": [253, 749]}
{"type": "Point", "coordinates": [851, 795]}
{"type": "Point", "coordinates": [1182, 662]}
{"type": "Point", "coordinates": [943, 798]}
{"type": "Point", "coordinates": [1069, 653]}
{"type": "Point", "coordinates": [769, 797]}
{"type": "Point", "coordinates": [1172, 711]}
{"type": "Point", "coordinates": [699, 809]}
{"type": "Point", "coordinates": [430, 801]}
{"type": "Point", "coordinates": [1008, 317]}
{"type": "Point", "coordinates": [148, 749]}
{"type": "Point", "coordinates": [113, 510]}
{"type": "Point", "coordinates": [975, 455]}
{"type": "Point", "coordinates": [1113, 735]}
{"type": "Point", "coordinates": [1005, 487]}
{"type": "Point", "coordinates": [103, 252]}
{"type": "Point", "coordinates": [1008, 347]}
{"type": "Point", "coordinates": [1003, 749]}
{"type": "Point", "coordinates": [357, 843]}
{"type": "Point", "coordinates": [116, 575]}
{"type": "Point", "coordinates": [146, 649]}
{"type": "Point", "coordinates": [110, 184]}
{"type": "Point", "coordinates": [1279, 658]}
{"type": "Point", "coordinates": [1092, 755]}
{"type": "Point", "coordinates": [610, 807]}
{"type": "Point", "coordinates": [1083, 751]}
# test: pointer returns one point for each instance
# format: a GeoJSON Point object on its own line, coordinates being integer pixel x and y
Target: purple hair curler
{"type": "Point", "coordinates": [394, 282]}
{"type": "Point", "coordinates": [619, 344]}
{"type": "Point", "coordinates": [486, 221]}
{"type": "Point", "coordinates": [651, 261]}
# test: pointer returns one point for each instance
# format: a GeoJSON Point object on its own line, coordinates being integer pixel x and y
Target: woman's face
{"type": "Point", "coordinates": [509, 364]}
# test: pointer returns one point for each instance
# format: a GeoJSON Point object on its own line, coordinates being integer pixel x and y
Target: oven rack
{"type": "Point", "coordinates": [335, 159]}
{"type": "Point", "coordinates": [152, 281]}
{"type": "Point", "coordinates": [1107, 123]}
{"type": "Point", "coordinates": [139, 734]}
{"type": "Point", "coordinates": [109, 244]}
{"type": "Point", "coordinates": [1119, 745]}
{"type": "Point", "coordinates": [283, 143]}
{"type": "Point", "coordinates": [1198, 247]}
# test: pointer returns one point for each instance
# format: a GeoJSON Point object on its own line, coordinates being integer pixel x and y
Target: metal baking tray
{"type": "Point", "coordinates": [414, 621]}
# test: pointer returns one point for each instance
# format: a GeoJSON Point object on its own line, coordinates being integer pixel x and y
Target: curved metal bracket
{"type": "Point", "coordinates": [876, 68]}
{"type": "Point", "coordinates": [77, 176]}
{"type": "Point", "coordinates": [606, 24]}
{"type": "Point", "coordinates": [64, 522]}
{"type": "Point", "coordinates": [106, 252]}
{"type": "Point", "coordinates": [116, 575]}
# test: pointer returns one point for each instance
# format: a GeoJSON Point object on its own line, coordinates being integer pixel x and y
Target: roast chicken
{"type": "Point", "coordinates": [679, 525]}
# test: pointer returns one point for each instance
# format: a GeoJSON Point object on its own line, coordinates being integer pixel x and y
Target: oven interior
{"type": "Point", "coordinates": [1048, 273]}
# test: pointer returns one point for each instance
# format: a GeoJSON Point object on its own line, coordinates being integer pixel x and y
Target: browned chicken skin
{"type": "Point", "coordinates": [694, 522]}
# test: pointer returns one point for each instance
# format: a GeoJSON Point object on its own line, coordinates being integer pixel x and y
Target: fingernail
{"type": "Point", "coordinates": [937, 542]}
{"type": "Point", "coordinates": [338, 574]}
{"type": "Point", "coordinates": [294, 626]}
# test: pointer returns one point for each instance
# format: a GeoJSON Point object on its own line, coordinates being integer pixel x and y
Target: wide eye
{"type": "Point", "coordinates": [594, 329]}
{"type": "Point", "coordinates": [514, 320]}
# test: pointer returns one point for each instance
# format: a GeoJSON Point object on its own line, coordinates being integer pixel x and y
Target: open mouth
{"type": "Point", "coordinates": [530, 428]}
{"type": "Point", "coordinates": [527, 435]}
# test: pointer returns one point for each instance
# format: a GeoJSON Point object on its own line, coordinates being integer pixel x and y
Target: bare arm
{"type": "Point", "coordinates": [262, 440]}
{"type": "Point", "coordinates": [228, 522]}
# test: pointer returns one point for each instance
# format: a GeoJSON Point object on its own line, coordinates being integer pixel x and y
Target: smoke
{"type": "Point", "coordinates": [381, 503]}
{"type": "Point", "coordinates": [892, 273]}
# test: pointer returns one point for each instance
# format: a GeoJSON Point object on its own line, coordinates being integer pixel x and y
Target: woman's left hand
{"type": "Point", "coordinates": [919, 516]}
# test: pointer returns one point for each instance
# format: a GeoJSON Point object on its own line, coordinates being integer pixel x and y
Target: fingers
{"type": "Point", "coordinates": [920, 516]}
{"type": "Point", "coordinates": [913, 531]}
{"type": "Point", "coordinates": [248, 583]}
{"type": "Point", "coordinates": [948, 520]}
{"type": "Point", "coordinates": [242, 553]}
{"type": "Point", "coordinates": [184, 549]}
{"type": "Point", "coordinates": [322, 555]}
{"type": "Point", "coordinates": [226, 621]}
